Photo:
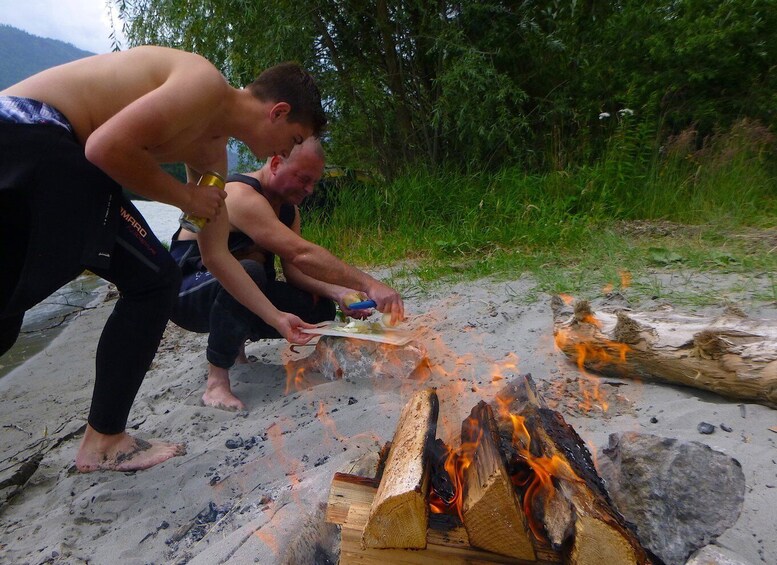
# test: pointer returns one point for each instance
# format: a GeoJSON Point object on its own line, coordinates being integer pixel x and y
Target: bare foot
{"type": "Point", "coordinates": [122, 452]}
{"type": "Point", "coordinates": [218, 393]}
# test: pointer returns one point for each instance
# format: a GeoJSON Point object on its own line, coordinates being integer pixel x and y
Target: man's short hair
{"type": "Point", "coordinates": [312, 144]}
{"type": "Point", "coordinates": [288, 82]}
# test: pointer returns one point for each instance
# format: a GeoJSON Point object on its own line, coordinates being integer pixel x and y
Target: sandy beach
{"type": "Point", "coordinates": [252, 487]}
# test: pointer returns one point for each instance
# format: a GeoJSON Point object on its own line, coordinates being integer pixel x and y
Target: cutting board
{"type": "Point", "coordinates": [372, 332]}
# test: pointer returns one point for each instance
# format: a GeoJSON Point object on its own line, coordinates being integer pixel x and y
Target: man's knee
{"type": "Point", "coordinates": [256, 271]}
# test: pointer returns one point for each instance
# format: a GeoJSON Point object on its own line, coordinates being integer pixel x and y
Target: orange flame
{"type": "Point", "coordinates": [269, 540]}
{"type": "Point", "coordinates": [587, 352]}
{"type": "Point", "coordinates": [625, 277]}
{"type": "Point", "coordinates": [295, 379]}
{"type": "Point", "coordinates": [456, 463]}
{"type": "Point", "coordinates": [328, 422]}
{"type": "Point", "coordinates": [591, 352]}
{"type": "Point", "coordinates": [538, 480]}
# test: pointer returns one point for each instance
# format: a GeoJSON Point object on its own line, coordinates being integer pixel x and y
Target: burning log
{"type": "Point", "coordinates": [399, 515]}
{"type": "Point", "coordinates": [600, 534]}
{"type": "Point", "coordinates": [491, 509]}
{"type": "Point", "coordinates": [563, 495]}
{"type": "Point", "coordinates": [730, 355]}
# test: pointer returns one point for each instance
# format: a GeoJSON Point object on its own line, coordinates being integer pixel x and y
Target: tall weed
{"type": "Point", "coordinates": [508, 217]}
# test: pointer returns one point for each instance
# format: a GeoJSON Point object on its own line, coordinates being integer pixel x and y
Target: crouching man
{"type": "Point", "coordinates": [264, 222]}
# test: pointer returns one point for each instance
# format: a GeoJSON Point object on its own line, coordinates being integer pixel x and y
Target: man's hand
{"type": "Point", "coordinates": [290, 327]}
{"type": "Point", "coordinates": [204, 201]}
{"type": "Point", "coordinates": [388, 301]}
{"type": "Point", "coordinates": [352, 297]}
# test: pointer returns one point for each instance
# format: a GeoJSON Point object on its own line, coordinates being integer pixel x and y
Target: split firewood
{"type": "Point", "coordinates": [600, 534]}
{"type": "Point", "coordinates": [399, 514]}
{"type": "Point", "coordinates": [553, 514]}
{"type": "Point", "coordinates": [491, 509]}
{"type": "Point", "coordinates": [731, 355]}
{"type": "Point", "coordinates": [563, 494]}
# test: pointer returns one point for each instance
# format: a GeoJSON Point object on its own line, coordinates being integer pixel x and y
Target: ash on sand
{"type": "Point", "coordinates": [266, 496]}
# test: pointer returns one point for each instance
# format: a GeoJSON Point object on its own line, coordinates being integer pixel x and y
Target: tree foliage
{"type": "Point", "coordinates": [488, 83]}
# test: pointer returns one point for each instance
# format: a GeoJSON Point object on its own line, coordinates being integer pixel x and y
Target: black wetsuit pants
{"type": "Point", "coordinates": [47, 221]}
{"type": "Point", "coordinates": [205, 306]}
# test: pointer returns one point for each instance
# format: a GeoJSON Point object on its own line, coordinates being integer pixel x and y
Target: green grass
{"type": "Point", "coordinates": [639, 208]}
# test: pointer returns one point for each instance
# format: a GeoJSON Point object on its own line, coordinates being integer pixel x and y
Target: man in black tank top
{"type": "Point", "coordinates": [265, 223]}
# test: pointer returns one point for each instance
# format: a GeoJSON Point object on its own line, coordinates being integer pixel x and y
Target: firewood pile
{"type": "Point", "coordinates": [520, 488]}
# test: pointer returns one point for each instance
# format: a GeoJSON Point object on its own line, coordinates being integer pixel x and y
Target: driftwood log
{"type": "Point", "coordinates": [399, 515]}
{"type": "Point", "coordinates": [572, 506]}
{"type": "Point", "coordinates": [731, 355]}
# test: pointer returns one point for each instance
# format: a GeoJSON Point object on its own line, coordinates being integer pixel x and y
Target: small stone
{"type": "Point", "coordinates": [705, 428]}
{"type": "Point", "coordinates": [352, 400]}
{"type": "Point", "coordinates": [234, 443]}
{"type": "Point", "coordinates": [653, 420]}
{"type": "Point", "coordinates": [725, 428]}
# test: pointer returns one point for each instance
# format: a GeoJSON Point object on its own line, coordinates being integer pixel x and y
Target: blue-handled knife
{"type": "Point", "coordinates": [363, 305]}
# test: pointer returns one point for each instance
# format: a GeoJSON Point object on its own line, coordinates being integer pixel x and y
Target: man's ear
{"type": "Point", "coordinates": [275, 162]}
{"type": "Point", "coordinates": [280, 110]}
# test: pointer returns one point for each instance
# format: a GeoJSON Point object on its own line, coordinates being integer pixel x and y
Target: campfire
{"type": "Point", "coordinates": [520, 487]}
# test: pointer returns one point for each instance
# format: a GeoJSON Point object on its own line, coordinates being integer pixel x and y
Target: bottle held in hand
{"type": "Point", "coordinates": [193, 223]}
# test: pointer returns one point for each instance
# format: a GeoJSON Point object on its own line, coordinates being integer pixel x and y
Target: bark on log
{"type": "Point", "coordinates": [573, 508]}
{"type": "Point", "coordinates": [600, 532]}
{"type": "Point", "coordinates": [491, 509]}
{"type": "Point", "coordinates": [731, 355]}
{"type": "Point", "coordinates": [399, 515]}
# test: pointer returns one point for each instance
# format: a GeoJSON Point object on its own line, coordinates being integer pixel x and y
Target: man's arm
{"type": "Point", "coordinates": [340, 294]}
{"type": "Point", "coordinates": [212, 240]}
{"type": "Point", "coordinates": [157, 127]}
{"type": "Point", "coordinates": [253, 215]}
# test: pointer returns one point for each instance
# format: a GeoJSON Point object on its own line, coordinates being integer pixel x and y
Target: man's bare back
{"type": "Point", "coordinates": [93, 90]}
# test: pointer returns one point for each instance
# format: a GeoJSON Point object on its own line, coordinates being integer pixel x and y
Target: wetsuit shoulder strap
{"type": "Point", "coordinates": [245, 179]}
{"type": "Point", "coordinates": [287, 212]}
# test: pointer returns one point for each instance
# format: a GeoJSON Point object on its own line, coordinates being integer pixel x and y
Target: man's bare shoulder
{"type": "Point", "coordinates": [243, 195]}
{"type": "Point", "coordinates": [168, 61]}
{"type": "Point", "coordinates": [248, 210]}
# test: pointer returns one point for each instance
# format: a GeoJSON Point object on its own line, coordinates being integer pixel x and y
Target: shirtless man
{"type": "Point", "coordinates": [70, 138]}
{"type": "Point", "coordinates": [264, 222]}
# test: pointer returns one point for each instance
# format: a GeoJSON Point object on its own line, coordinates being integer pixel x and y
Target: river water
{"type": "Point", "coordinates": [46, 320]}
